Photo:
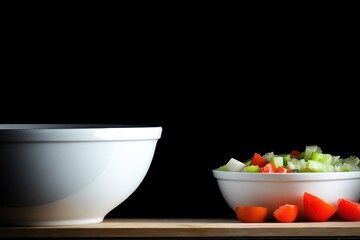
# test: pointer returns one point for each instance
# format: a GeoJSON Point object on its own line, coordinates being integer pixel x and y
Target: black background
{"type": "Point", "coordinates": [219, 90]}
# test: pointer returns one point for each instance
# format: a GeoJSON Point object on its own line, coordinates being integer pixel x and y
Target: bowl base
{"type": "Point", "coordinates": [51, 222]}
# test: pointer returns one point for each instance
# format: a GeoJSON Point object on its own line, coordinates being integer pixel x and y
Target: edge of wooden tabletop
{"type": "Point", "coordinates": [130, 228]}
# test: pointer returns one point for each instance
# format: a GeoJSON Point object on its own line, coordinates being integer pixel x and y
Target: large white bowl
{"type": "Point", "coordinates": [272, 190]}
{"type": "Point", "coordinates": [62, 174]}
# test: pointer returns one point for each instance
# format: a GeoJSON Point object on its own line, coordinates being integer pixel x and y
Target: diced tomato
{"type": "Point", "coordinates": [286, 213]}
{"type": "Point", "coordinates": [283, 170]}
{"type": "Point", "coordinates": [348, 209]}
{"type": "Point", "coordinates": [258, 160]}
{"type": "Point", "coordinates": [268, 168]}
{"type": "Point", "coordinates": [316, 209]}
{"type": "Point", "coordinates": [294, 154]}
{"type": "Point", "coordinates": [251, 214]}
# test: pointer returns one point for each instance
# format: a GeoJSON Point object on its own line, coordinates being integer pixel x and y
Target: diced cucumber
{"type": "Point", "coordinates": [316, 166]}
{"type": "Point", "coordinates": [297, 164]}
{"type": "Point", "coordinates": [278, 161]}
{"type": "Point", "coordinates": [268, 156]}
{"type": "Point", "coordinates": [310, 149]}
{"type": "Point", "coordinates": [223, 168]}
{"type": "Point", "coordinates": [345, 167]}
{"type": "Point", "coordinates": [235, 165]}
{"type": "Point", "coordinates": [286, 159]}
{"type": "Point", "coordinates": [252, 168]}
{"type": "Point", "coordinates": [324, 158]}
{"type": "Point", "coordinates": [353, 162]}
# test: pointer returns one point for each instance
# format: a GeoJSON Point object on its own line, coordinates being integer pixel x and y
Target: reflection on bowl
{"type": "Point", "coordinates": [274, 189]}
{"type": "Point", "coordinates": [61, 174]}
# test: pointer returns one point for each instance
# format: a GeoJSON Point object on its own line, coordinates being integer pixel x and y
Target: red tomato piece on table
{"type": "Point", "coordinates": [316, 209]}
{"type": "Point", "coordinates": [258, 160]}
{"type": "Point", "coordinates": [348, 209]}
{"type": "Point", "coordinates": [251, 214]}
{"type": "Point", "coordinates": [286, 213]}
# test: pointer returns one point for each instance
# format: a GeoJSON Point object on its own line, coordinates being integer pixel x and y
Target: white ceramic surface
{"type": "Point", "coordinates": [274, 189]}
{"type": "Point", "coordinates": [62, 174]}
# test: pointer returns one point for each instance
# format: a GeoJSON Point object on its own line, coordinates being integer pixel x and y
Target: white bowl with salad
{"type": "Point", "coordinates": [271, 180]}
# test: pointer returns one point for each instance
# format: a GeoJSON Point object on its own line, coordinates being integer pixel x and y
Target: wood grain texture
{"type": "Point", "coordinates": [128, 228]}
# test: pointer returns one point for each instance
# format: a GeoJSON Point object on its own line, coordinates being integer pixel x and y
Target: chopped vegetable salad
{"type": "Point", "coordinates": [312, 159]}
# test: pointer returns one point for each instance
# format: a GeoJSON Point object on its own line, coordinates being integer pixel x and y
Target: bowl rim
{"type": "Point", "coordinates": [34, 126]}
{"type": "Point", "coordinates": [280, 177]}
{"type": "Point", "coordinates": [77, 132]}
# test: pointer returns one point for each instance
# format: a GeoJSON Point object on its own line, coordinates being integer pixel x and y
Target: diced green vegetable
{"type": "Point", "coordinates": [302, 155]}
{"type": "Point", "coordinates": [278, 161]}
{"type": "Point", "coordinates": [310, 149]}
{"type": "Point", "coordinates": [223, 168]}
{"type": "Point", "coordinates": [324, 158]}
{"type": "Point", "coordinates": [252, 168]}
{"type": "Point", "coordinates": [316, 166]}
{"type": "Point", "coordinates": [268, 156]}
{"type": "Point", "coordinates": [235, 165]}
{"type": "Point", "coordinates": [286, 159]}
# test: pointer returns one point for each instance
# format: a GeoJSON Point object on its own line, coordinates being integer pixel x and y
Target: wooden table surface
{"type": "Point", "coordinates": [143, 228]}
